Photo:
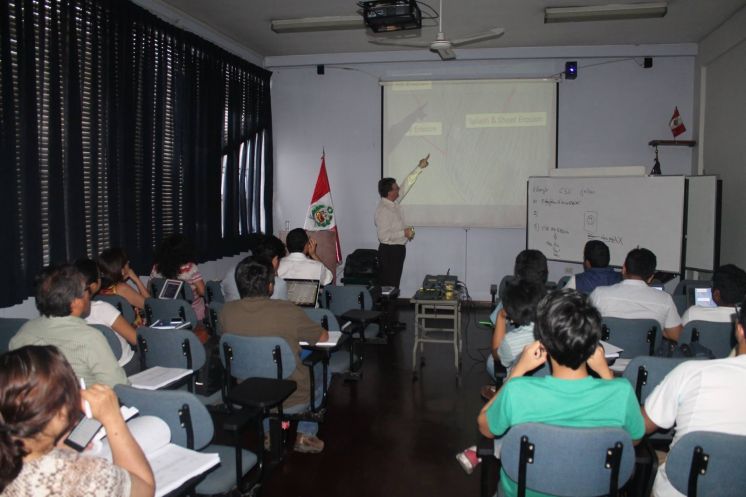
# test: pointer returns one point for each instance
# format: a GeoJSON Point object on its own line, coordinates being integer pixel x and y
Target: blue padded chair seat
{"type": "Point", "coordinates": [223, 477]}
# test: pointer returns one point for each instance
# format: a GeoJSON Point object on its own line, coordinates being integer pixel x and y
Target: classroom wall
{"type": "Point", "coordinates": [606, 118]}
{"type": "Point", "coordinates": [723, 107]}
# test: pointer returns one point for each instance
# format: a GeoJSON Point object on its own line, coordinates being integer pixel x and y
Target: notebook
{"type": "Point", "coordinates": [304, 293]}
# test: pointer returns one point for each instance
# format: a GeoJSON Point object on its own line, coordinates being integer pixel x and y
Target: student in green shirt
{"type": "Point", "coordinates": [568, 330]}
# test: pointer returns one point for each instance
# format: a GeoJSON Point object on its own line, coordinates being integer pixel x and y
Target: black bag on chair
{"type": "Point", "coordinates": [361, 267]}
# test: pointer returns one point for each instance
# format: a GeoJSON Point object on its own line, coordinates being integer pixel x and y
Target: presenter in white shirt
{"type": "Point", "coordinates": [393, 232]}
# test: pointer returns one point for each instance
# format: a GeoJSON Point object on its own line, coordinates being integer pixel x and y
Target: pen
{"type": "Point", "coordinates": [86, 405]}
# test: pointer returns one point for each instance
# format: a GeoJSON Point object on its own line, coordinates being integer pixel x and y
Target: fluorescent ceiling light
{"type": "Point", "coordinates": [317, 24]}
{"type": "Point", "coordinates": [605, 12]}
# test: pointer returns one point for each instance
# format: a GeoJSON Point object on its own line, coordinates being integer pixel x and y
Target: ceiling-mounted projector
{"type": "Point", "coordinates": [391, 15]}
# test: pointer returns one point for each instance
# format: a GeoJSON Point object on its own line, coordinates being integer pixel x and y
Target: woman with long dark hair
{"type": "Point", "coordinates": [115, 272]}
{"type": "Point", "coordinates": [40, 401]}
{"type": "Point", "coordinates": [174, 259]}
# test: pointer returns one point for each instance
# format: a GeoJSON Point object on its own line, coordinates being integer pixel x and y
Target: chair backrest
{"type": "Point", "coordinates": [717, 337]}
{"type": "Point", "coordinates": [213, 309]}
{"type": "Point", "coordinates": [124, 307]}
{"type": "Point", "coordinates": [645, 372]}
{"type": "Point", "coordinates": [213, 292]}
{"type": "Point", "coordinates": [190, 422]}
{"type": "Point", "coordinates": [686, 288]}
{"type": "Point", "coordinates": [562, 282]}
{"type": "Point", "coordinates": [340, 299]}
{"type": "Point", "coordinates": [324, 317]}
{"type": "Point", "coordinates": [708, 464]}
{"type": "Point", "coordinates": [8, 328]}
{"type": "Point", "coordinates": [167, 309]}
{"type": "Point", "coordinates": [680, 301]}
{"type": "Point", "coordinates": [156, 284]}
{"type": "Point", "coordinates": [572, 462]}
{"type": "Point", "coordinates": [170, 348]}
{"type": "Point", "coordinates": [111, 338]}
{"type": "Point", "coordinates": [636, 336]}
{"type": "Point", "coordinates": [255, 357]}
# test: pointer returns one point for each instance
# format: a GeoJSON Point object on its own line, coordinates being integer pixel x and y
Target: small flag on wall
{"type": "Point", "coordinates": [321, 215]}
{"type": "Point", "coordinates": [676, 123]}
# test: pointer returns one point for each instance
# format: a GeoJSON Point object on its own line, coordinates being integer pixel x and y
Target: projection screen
{"type": "Point", "coordinates": [484, 137]}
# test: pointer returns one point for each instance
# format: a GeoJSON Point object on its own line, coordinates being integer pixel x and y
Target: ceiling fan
{"type": "Point", "coordinates": [442, 45]}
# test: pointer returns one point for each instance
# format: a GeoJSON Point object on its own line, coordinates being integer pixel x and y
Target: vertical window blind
{"type": "Point", "coordinates": [117, 129]}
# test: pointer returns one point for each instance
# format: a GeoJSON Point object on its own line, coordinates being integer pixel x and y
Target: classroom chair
{"type": "Point", "coordinates": [636, 336]}
{"type": "Point", "coordinates": [111, 338]}
{"type": "Point", "coordinates": [167, 309]}
{"type": "Point", "coordinates": [326, 318]}
{"type": "Point", "coordinates": [708, 464]}
{"type": "Point", "coordinates": [567, 462]}
{"type": "Point", "coordinates": [192, 427]}
{"type": "Point", "coordinates": [272, 357]}
{"type": "Point", "coordinates": [171, 349]}
{"type": "Point", "coordinates": [8, 328]}
{"type": "Point", "coordinates": [213, 292]}
{"type": "Point", "coordinates": [718, 337]}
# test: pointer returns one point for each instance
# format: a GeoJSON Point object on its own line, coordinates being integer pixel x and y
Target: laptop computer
{"type": "Point", "coordinates": [171, 289]}
{"type": "Point", "coordinates": [703, 297]}
{"type": "Point", "coordinates": [304, 293]}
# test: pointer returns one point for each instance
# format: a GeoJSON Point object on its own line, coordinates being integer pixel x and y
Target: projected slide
{"type": "Point", "coordinates": [485, 137]}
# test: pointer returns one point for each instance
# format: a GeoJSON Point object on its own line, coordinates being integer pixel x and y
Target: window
{"type": "Point", "coordinates": [118, 129]}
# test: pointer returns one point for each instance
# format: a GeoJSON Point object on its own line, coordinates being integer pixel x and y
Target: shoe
{"type": "Point", "coordinates": [488, 391]}
{"type": "Point", "coordinates": [468, 459]}
{"type": "Point", "coordinates": [308, 444]}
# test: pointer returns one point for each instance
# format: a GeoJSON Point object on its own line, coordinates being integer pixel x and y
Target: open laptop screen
{"type": "Point", "coordinates": [171, 289]}
{"type": "Point", "coordinates": [304, 293]}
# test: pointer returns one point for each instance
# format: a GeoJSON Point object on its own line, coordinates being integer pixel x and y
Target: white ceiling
{"type": "Point", "coordinates": [247, 23]}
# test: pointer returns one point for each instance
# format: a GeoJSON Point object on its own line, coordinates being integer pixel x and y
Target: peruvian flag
{"type": "Point", "coordinates": [676, 124]}
{"type": "Point", "coordinates": [321, 215]}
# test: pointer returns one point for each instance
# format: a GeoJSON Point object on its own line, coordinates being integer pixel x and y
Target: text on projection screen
{"type": "Point", "coordinates": [485, 138]}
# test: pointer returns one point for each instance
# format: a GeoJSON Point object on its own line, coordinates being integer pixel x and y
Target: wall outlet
{"type": "Point", "coordinates": [569, 270]}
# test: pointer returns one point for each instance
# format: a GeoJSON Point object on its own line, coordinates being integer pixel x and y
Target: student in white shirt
{"type": "Point", "coordinates": [303, 262]}
{"type": "Point", "coordinates": [106, 314]}
{"type": "Point", "coordinates": [634, 299]}
{"type": "Point", "coordinates": [699, 396]}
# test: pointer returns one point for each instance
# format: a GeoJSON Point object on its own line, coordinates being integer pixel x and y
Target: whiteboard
{"type": "Point", "coordinates": [623, 212]}
{"type": "Point", "coordinates": [702, 222]}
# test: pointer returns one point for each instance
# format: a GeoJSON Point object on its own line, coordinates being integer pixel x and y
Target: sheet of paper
{"type": "Point", "coordinates": [611, 351]}
{"type": "Point", "coordinates": [157, 377]}
{"type": "Point", "coordinates": [334, 337]}
{"type": "Point", "coordinates": [173, 466]}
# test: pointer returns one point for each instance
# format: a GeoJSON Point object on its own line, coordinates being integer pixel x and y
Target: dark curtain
{"type": "Point", "coordinates": [117, 129]}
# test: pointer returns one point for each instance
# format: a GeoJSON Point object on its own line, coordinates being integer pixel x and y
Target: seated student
{"type": "Point", "coordinates": [634, 299]}
{"type": "Point", "coordinates": [515, 322]}
{"type": "Point", "coordinates": [728, 289]}
{"type": "Point", "coordinates": [63, 299]}
{"type": "Point", "coordinates": [270, 247]}
{"type": "Point", "coordinates": [597, 272]}
{"type": "Point", "coordinates": [40, 400]}
{"type": "Point", "coordinates": [530, 265]}
{"type": "Point", "coordinates": [568, 330]}
{"type": "Point", "coordinates": [174, 259]}
{"type": "Point", "coordinates": [106, 314]}
{"type": "Point", "coordinates": [699, 396]}
{"type": "Point", "coordinates": [302, 262]}
{"type": "Point", "coordinates": [256, 315]}
{"type": "Point", "coordinates": [115, 273]}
